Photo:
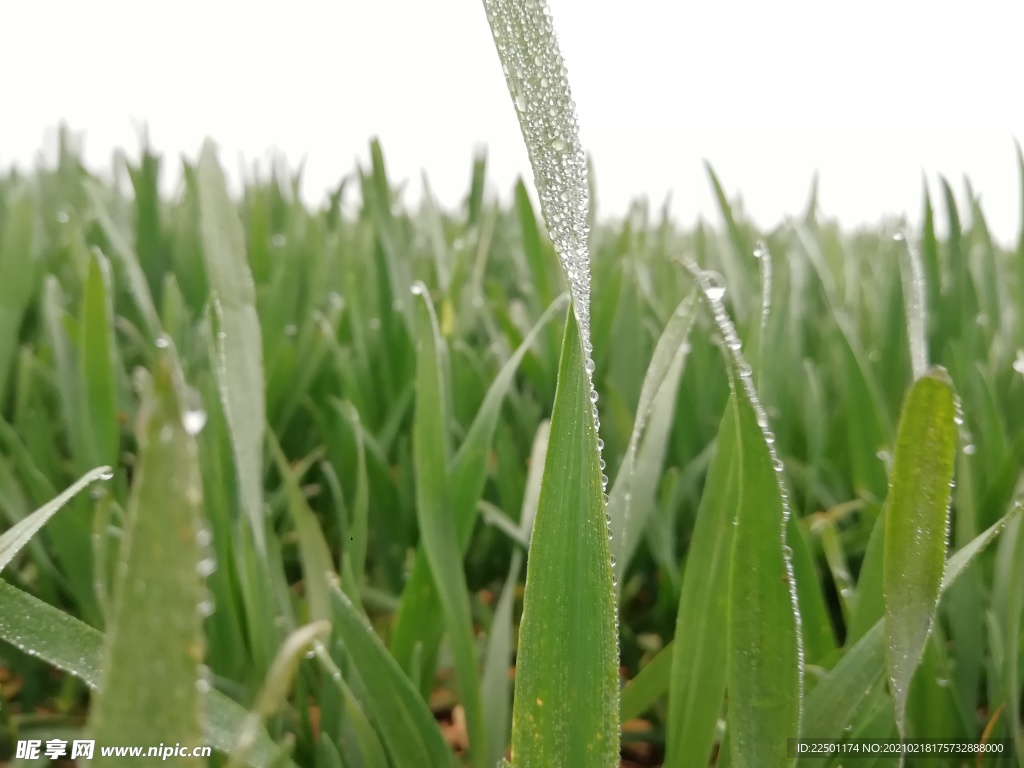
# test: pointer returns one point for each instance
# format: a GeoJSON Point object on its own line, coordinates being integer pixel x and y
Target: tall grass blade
{"type": "Point", "coordinates": [495, 684]}
{"type": "Point", "coordinates": [238, 340]}
{"type": "Point", "coordinates": [157, 598]}
{"type": "Point", "coordinates": [836, 698]}
{"type": "Point", "coordinates": [669, 349]}
{"type": "Point", "coordinates": [409, 730]}
{"type": "Point", "coordinates": [18, 266]}
{"type": "Point", "coordinates": [565, 712]}
{"type": "Point", "coordinates": [537, 81]}
{"type": "Point", "coordinates": [18, 535]}
{"type": "Point", "coordinates": [917, 523]}
{"type": "Point", "coordinates": [1020, 249]}
{"type": "Point", "coordinates": [699, 656]}
{"type": "Point", "coordinates": [97, 364]}
{"type": "Point", "coordinates": [914, 302]}
{"type": "Point", "coordinates": [437, 529]}
{"type": "Point", "coordinates": [765, 663]}
{"type": "Point", "coordinates": [419, 620]}
{"type": "Point", "coordinates": [277, 686]}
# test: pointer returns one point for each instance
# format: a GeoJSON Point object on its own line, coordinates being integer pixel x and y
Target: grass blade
{"type": "Point", "coordinates": [96, 364]}
{"type": "Point", "coordinates": [419, 619]}
{"type": "Point", "coordinates": [917, 522]}
{"type": "Point", "coordinates": [524, 37]}
{"type": "Point", "coordinates": [698, 671]}
{"type": "Point", "coordinates": [277, 686]}
{"type": "Point", "coordinates": [437, 529]}
{"type": "Point", "coordinates": [410, 732]}
{"type": "Point", "coordinates": [765, 667]}
{"type": "Point", "coordinates": [70, 645]}
{"type": "Point", "coordinates": [156, 602]}
{"type": "Point", "coordinates": [914, 298]}
{"type": "Point", "coordinates": [18, 265]}
{"type": "Point", "coordinates": [495, 682]}
{"type": "Point", "coordinates": [238, 339]}
{"type": "Point", "coordinates": [18, 535]}
{"type": "Point", "coordinates": [833, 703]}
{"type": "Point", "coordinates": [669, 350]}
{"type": "Point", "coordinates": [565, 713]}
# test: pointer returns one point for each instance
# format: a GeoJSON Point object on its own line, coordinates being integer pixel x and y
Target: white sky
{"type": "Point", "coordinates": [873, 94]}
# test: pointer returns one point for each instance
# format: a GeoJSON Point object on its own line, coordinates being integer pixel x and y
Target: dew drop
{"type": "Point", "coordinates": [713, 284]}
{"type": "Point", "coordinates": [193, 421]}
{"type": "Point", "coordinates": [162, 342]}
{"type": "Point", "coordinates": [106, 474]}
{"type": "Point", "coordinates": [1018, 364]}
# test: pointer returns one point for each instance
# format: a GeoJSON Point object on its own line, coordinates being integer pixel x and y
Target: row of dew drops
{"type": "Point", "coordinates": [712, 285]}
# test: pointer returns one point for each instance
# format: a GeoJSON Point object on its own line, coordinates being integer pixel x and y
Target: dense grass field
{"type": "Point", "coordinates": [260, 378]}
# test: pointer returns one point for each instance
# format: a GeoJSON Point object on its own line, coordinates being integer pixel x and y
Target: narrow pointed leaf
{"type": "Point", "coordinates": [433, 511]}
{"type": "Point", "coordinates": [239, 351]}
{"type": "Point", "coordinates": [409, 731]}
{"type": "Point", "coordinates": [917, 522]}
{"type": "Point", "coordinates": [833, 703]}
{"type": "Point", "coordinates": [565, 713]}
{"type": "Point", "coordinates": [18, 535]}
{"type": "Point", "coordinates": [698, 671]}
{"type": "Point", "coordinates": [156, 599]}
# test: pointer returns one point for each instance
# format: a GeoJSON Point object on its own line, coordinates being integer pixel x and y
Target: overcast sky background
{"type": "Point", "coordinates": [875, 95]}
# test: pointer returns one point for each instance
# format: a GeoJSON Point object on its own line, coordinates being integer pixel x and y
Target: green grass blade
{"type": "Point", "coordinates": [124, 255]}
{"type": "Point", "coordinates": [156, 601]}
{"type": "Point", "coordinates": [238, 340]}
{"type": "Point", "coordinates": [18, 266]}
{"type": "Point", "coordinates": [419, 619]}
{"type": "Point", "coordinates": [565, 713]}
{"type": "Point", "coordinates": [698, 670]}
{"type": "Point", "coordinates": [650, 683]}
{"type": "Point", "coordinates": [65, 642]}
{"type": "Point", "coordinates": [1020, 249]}
{"type": "Point", "coordinates": [437, 529]}
{"type": "Point", "coordinates": [97, 364]}
{"type": "Point", "coordinates": [914, 298]}
{"type": "Point", "coordinates": [917, 522]}
{"type": "Point", "coordinates": [765, 674]}
{"type": "Point", "coordinates": [277, 686]}
{"type": "Point", "coordinates": [668, 357]}
{"type": "Point", "coordinates": [833, 703]}
{"type": "Point", "coordinates": [535, 73]}
{"type": "Point", "coordinates": [495, 684]}
{"type": "Point", "coordinates": [370, 748]}
{"type": "Point", "coordinates": [316, 557]}
{"type": "Point", "coordinates": [408, 728]}
{"type": "Point", "coordinates": [17, 536]}
{"type": "Point", "coordinates": [1008, 597]}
